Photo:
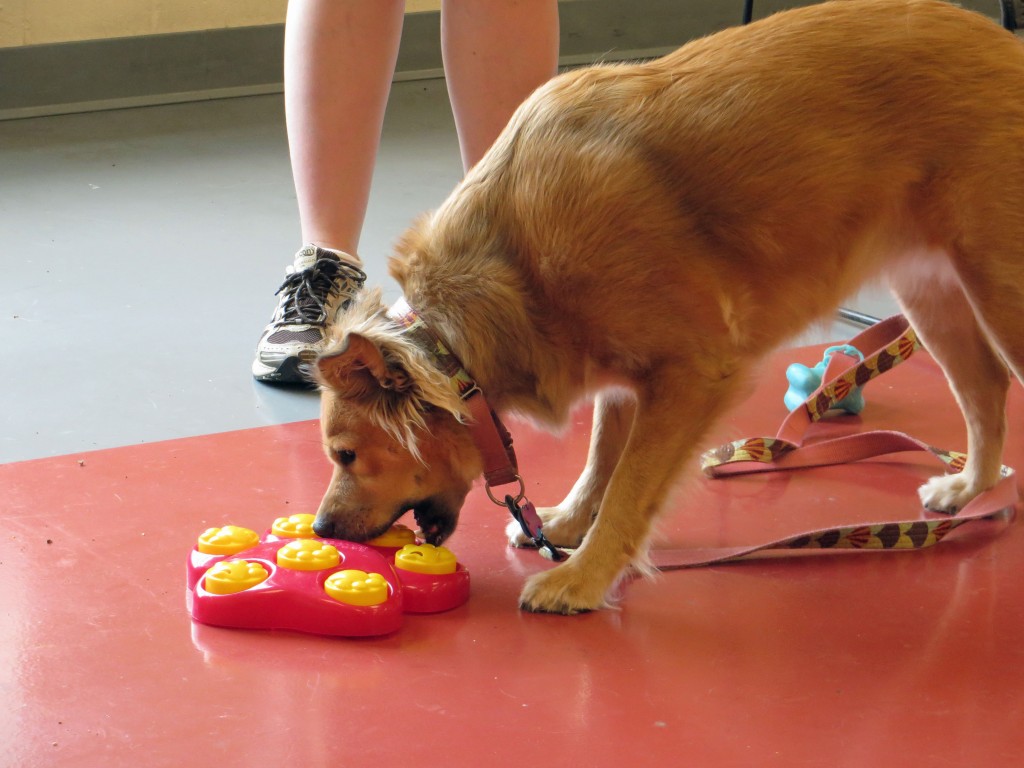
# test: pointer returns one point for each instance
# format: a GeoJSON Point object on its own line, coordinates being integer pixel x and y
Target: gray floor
{"type": "Point", "coordinates": [140, 250]}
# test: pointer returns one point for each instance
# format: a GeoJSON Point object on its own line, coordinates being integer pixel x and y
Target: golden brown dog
{"type": "Point", "coordinates": [645, 233]}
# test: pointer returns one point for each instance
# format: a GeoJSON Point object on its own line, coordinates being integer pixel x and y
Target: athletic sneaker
{"type": "Point", "coordinates": [316, 288]}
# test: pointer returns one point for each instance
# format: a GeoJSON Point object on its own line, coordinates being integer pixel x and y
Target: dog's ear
{"type": "Point", "coordinates": [358, 366]}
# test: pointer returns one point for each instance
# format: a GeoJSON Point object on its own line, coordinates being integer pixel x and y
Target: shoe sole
{"type": "Point", "coordinates": [289, 372]}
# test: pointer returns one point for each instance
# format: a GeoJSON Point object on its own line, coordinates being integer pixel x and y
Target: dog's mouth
{"type": "Point", "coordinates": [435, 518]}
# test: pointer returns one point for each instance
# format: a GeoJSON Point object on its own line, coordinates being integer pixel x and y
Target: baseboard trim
{"type": "Point", "coordinates": [224, 63]}
{"type": "Point", "coordinates": [95, 75]}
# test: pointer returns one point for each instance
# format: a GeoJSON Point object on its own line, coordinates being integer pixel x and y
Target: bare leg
{"type": "Point", "coordinates": [496, 52]}
{"type": "Point", "coordinates": [339, 61]}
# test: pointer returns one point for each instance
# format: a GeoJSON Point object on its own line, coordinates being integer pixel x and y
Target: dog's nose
{"type": "Point", "coordinates": [323, 528]}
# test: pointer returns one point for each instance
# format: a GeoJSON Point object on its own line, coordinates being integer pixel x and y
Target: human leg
{"type": "Point", "coordinates": [338, 65]}
{"type": "Point", "coordinates": [496, 52]}
{"type": "Point", "coordinates": [339, 62]}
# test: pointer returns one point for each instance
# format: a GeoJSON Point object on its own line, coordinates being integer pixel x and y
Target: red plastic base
{"type": "Point", "coordinates": [296, 600]}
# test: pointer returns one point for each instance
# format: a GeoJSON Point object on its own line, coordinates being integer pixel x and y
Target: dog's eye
{"type": "Point", "coordinates": [346, 457]}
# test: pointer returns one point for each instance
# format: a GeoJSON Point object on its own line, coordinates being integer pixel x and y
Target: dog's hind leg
{"type": "Point", "coordinates": [999, 307]}
{"type": "Point", "coordinates": [567, 524]}
{"type": "Point", "coordinates": [989, 257]}
{"type": "Point", "coordinates": [672, 414]}
{"type": "Point", "coordinates": [943, 317]}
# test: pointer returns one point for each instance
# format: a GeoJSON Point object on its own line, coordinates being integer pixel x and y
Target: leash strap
{"type": "Point", "coordinates": [892, 342]}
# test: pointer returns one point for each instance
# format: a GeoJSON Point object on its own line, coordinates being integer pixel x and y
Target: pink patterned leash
{"type": "Point", "coordinates": [893, 341]}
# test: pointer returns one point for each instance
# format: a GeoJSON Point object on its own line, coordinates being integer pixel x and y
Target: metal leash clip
{"type": "Point", "coordinates": [526, 515]}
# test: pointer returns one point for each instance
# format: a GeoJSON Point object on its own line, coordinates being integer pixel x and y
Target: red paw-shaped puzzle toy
{"type": "Point", "coordinates": [291, 579]}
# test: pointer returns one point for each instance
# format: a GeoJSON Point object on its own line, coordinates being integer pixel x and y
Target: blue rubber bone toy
{"type": "Point", "coordinates": [803, 381]}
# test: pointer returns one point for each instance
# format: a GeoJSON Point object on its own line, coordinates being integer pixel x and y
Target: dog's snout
{"type": "Point", "coordinates": [323, 527]}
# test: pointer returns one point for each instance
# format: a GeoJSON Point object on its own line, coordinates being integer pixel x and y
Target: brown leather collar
{"type": "Point", "coordinates": [491, 437]}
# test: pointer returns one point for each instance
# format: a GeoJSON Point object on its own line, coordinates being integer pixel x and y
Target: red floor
{"type": "Point", "coordinates": [910, 659]}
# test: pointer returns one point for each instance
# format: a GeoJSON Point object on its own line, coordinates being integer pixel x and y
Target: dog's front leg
{"type": "Point", "coordinates": [567, 524]}
{"type": "Point", "coordinates": [667, 427]}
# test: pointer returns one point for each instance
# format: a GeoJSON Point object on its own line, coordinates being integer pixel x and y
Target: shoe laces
{"type": "Point", "coordinates": [306, 292]}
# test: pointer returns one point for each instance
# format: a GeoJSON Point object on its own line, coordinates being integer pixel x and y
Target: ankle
{"type": "Point", "coordinates": [348, 256]}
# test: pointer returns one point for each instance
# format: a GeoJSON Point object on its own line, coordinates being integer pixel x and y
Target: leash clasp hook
{"type": "Point", "coordinates": [526, 515]}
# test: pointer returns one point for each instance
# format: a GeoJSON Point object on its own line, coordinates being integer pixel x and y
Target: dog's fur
{"type": "Point", "coordinates": [657, 228]}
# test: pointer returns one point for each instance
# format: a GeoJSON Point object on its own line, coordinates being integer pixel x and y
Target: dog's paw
{"type": "Point", "coordinates": [516, 537]}
{"type": "Point", "coordinates": [948, 493]}
{"type": "Point", "coordinates": [560, 528]}
{"type": "Point", "coordinates": [563, 590]}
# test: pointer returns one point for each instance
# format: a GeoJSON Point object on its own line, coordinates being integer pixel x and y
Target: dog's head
{"type": "Point", "coordinates": [393, 429]}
